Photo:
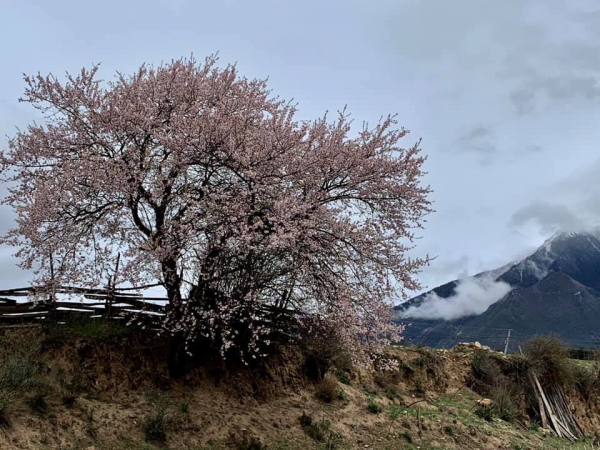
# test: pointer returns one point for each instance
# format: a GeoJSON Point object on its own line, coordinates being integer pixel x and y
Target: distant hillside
{"type": "Point", "coordinates": [554, 290]}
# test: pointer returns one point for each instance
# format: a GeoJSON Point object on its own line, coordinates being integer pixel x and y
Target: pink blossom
{"type": "Point", "coordinates": [202, 180]}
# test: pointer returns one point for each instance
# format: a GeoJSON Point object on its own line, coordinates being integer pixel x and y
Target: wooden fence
{"type": "Point", "coordinates": [17, 306]}
{"type": "Point", "coordinates": [67, 303]}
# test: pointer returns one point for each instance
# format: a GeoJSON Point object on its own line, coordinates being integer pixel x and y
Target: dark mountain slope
{"type": "Point", "coordinates": [554, 290]}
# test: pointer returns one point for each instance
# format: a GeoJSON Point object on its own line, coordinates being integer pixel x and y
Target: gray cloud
{"type": "Point", "coordinates": [478, 139]}
{"type": "Point", "coordinates": [548, 217]}
{"type": "Point", "coordinates": [575, 204]}
{"type": "Point", "coordinates": [534, 51]}
{"type": "Point", "coordinates": [564, 89]}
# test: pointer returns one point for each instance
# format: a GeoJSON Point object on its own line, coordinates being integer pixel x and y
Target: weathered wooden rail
{"type": "Point", "coordinates": [16, 305]}
{"type": "Point", "coordinates": [66, 303]}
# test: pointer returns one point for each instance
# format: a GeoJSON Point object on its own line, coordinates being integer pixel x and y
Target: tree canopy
{"type": "Point", "coordinates": [202, 180]}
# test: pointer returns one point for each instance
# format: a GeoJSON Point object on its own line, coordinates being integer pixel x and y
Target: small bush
{"type": "Point", "coordinates": [319, 431]}
{"type": "Point", "coordinates": [485, 412]}
{"type": "Point", "coordinates": [20, 367]}
{"type": "Point", "coordinates": [449, 430]}
{"type": "Point", "coordinates": [373, 407]}
{"type": "Point", "coordinates": [420, 387]}
{"type": "Point", "coordinates": [155, 424]}
{"type": "Point", "coordinates": [343, 377]}
{"type": "Point", "coordinates": [548, 357]}
{"type": "Point", "coordinates": [486, 373]}
{"type": "Point", "coordinates": [395, 412]}
{"type": "Point", "coordinates": [587, 380]}
{"type": "Point", "coordinates": [184, 407]}
{"type": "Point", "coordinates": [322, 349]}
{"type": "Point", "coordinates": [502, 406]}
{"type": "Point", "coordinates": [407, 437]}
{"type": "Point", "coordinates": [37, 403]}
{"type": "Point", "coordinates": [305, 420]}
{"type": "Point", "coordinates": [327, 390]}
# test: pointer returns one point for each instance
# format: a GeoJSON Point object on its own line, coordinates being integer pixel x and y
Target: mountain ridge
{"type": "Point", "coordinates": [556, 289]}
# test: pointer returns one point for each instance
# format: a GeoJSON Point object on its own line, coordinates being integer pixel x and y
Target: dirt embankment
{"type": "Point", "coordinates": [99, 387]}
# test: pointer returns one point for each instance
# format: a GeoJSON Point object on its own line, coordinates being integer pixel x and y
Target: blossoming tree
{"type": "Point", "coordinates": [197, 178]}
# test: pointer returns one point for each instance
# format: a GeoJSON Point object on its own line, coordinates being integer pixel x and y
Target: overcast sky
{"type": "Point", "coordinates": [504, 94]}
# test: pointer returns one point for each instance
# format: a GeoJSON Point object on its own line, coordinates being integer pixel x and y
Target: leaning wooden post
{"type": "Point", "coordinates": [51, 296]}
{"type": "Point", "coordinates": [507, 341]}
{"type": "Point", "coordinates": [110, 297]}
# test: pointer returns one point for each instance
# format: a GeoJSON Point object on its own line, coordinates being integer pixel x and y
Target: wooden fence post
{"type": "Point", "coordinates": [110, 297]}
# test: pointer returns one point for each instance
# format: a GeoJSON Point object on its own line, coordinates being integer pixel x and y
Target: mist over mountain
{"type": "Point", "coordinates": [556, 289]}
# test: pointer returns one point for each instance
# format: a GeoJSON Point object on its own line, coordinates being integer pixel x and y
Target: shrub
{"type": "Point", "coordinates": [327, 390]}
{"type": "Point", "coordinates": [37, 402]}
{"type": "Point", "coordinates": [184, 407]}
{"type": "Point", "coordinates": [485, 412]}
{"type": "Point", "coordinates": [155, 424]}
{"type": "Point", "coordinates": [319, 431]}
{"type": "Point", "coordinates": [305, 420]}
{"type": "Point", "coordinates": [407, 436]}
{"type": "Point", "coordinates": [587, 380]}
{"type": "Point", "coordinates": [373, 407]}
{"type": "Point", "coordinates": [395, 412]}
{"type": "Point", "coordinates": [486, 373]}
{"type": "Point", "coordinates": [19, 367]}
{"type": "Point", "coordinates": [548, 357]}
{"type": "Point", "coordinates": [317, 358]}
{"type": "Point", "coordinates": [419, 383]}
{"type": "Point", "coordinates": [449, 430]}
{"type": "Point", "coordinates": [343, 377]}
{"type": "Point", "coordinates": [503, 405]}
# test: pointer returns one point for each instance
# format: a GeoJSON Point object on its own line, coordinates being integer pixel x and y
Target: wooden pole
{"type": "Point", "coordinates": [51, 296]}
{"type": "Point", "coordinates": [110, 298]}
{"type": "Point", "coordinates": [553, 418]}
{"type": "Point", "coordinates": [507, 341]}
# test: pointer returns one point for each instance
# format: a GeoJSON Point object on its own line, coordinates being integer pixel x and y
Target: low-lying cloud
{"type": "Point", "coordinates": [472, 297]}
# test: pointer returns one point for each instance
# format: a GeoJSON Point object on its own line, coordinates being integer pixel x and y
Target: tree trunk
{"type": "Point", "coordinates": [177, 356]}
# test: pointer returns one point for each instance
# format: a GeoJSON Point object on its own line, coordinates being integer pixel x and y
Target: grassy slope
{"type": "Point", "coordinates": [106, 389]}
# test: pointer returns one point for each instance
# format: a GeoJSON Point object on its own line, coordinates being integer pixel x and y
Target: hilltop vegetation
{"type": "Point", "coordinates": [96, 385]}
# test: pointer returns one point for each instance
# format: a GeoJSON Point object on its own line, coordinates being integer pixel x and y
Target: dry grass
{"type": "Point", "coordinates": [327, 389]}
